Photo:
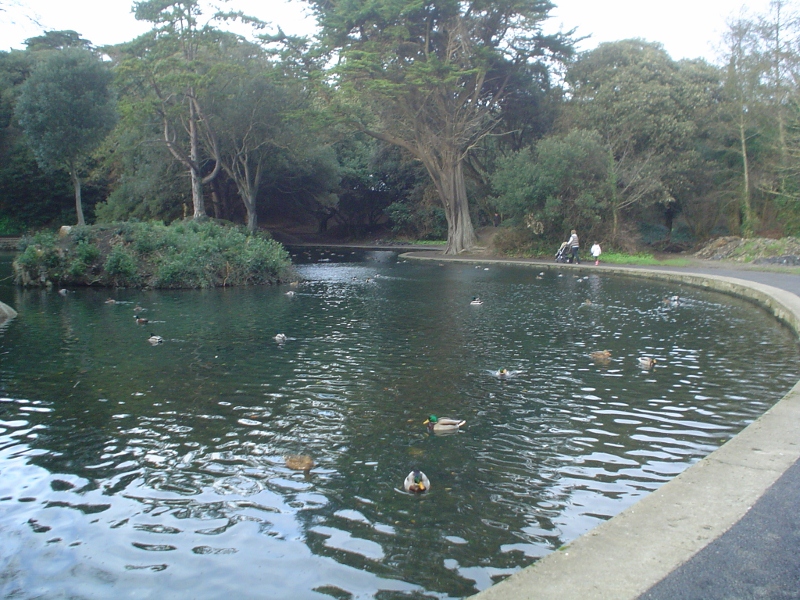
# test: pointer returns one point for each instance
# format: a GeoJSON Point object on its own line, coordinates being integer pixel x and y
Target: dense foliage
{"type": "Point", "coordinates": [187, 254]}
{"type": "Point", "coordinates": [418, 119]}
{"type": "Point", "coordinates": [66, 108]}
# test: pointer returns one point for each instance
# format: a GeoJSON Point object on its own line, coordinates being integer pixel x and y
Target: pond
{"type": "Point", "coordinates": [131, 469]}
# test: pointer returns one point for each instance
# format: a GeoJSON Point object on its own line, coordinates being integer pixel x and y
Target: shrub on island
{"type": "Point", "coordinates": [185, 254]}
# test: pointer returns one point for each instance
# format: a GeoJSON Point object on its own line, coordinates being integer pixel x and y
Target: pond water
{"type": "Point", "coordinates": [133, 470]}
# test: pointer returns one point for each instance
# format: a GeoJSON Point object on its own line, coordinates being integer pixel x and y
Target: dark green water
{"type": "Point", "coordinates": [131, 470]}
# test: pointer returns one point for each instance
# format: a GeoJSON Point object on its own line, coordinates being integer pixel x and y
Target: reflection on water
{"type": "Point", "coordinates": [159, 471]}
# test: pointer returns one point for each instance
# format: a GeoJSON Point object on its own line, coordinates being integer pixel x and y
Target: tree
{"type": "Point", "coordinates": [633, 94]}
{"type": "Point", "coordinates": [743, 81]}
{"type": "Point", "coordinates": [258, 109]}
{"type": "Point", "coordinates": [57, 40]}
{"type": "Point", "coordinates": [430, 77]}
{"type": "Point", "coordinates": [66, 108]}
{"type": "Point", "coordinates": [565, 182]}
{"type": "Point", "coordinates": [166, 68]}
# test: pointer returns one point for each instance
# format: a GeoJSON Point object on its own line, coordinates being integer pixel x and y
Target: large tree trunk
{"type": "Point", "coordinates": [449, 181]}
{"type": "Point", "coordinates": [76, 184]}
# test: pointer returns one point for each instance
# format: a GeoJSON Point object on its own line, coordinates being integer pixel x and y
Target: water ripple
{"type": "Point", "coordinates": [181, 455]}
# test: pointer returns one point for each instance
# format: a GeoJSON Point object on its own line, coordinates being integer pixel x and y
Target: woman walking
{"type": "Point", "coordinates": [574, 245]}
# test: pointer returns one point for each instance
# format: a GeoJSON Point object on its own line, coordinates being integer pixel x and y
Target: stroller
{"type": "Point", "coordinates": [563, 255]}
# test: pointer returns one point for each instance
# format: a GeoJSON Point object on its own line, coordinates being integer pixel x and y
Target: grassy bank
{"type": "Point", "coordinates": [187, 254]}
{"type": "Point", "coordinates": [643, 259]}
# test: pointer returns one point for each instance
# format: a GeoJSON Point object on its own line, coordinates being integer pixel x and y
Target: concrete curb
{"type": "Point", "coordinates": [6, 312]}
{"type": "Point", "coordinates": [625, 556]}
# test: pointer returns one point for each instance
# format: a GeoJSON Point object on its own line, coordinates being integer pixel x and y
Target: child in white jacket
{"type": "Point", "coordinates": [596, 253]}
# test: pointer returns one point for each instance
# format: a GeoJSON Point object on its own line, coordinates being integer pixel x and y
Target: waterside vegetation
{"type": "Point", "coordinates": [427, 120]}
{"type": "Point", "coordinates": [186, 254]}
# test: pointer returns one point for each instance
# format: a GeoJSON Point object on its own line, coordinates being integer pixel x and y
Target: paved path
{"type": "Point", "coordinates": [755, 553]}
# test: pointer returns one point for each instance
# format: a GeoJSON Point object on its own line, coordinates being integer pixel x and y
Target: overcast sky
{"type": "Point", "coordinates": [686, 28]}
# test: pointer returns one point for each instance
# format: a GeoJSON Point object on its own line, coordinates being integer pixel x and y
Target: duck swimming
{"type": "Point", "coordinates": [602, 356]}
{"type": "Point", "coordinates": [416, 482]}
{"type": "Point", "coordinates": [155, 339]}
{"type": "Point", "coordinates": [299, 462]}
{"type": "Point", "coordinates": [443, 425]}
{"type": "Point", "coordinates": [476, 301]}
{"type": "Point", "coordinates": [281, 338]}
{"type": "Point", "coordinates": [646, 362]}
{"type": "Point", "coordinates": [140, 320]}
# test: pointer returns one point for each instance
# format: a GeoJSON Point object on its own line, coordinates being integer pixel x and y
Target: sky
{"type": "Point", "coordinates": [686, 28]}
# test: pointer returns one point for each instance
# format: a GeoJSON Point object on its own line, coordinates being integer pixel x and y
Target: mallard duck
{"type": "Point", "coordinates": [437, 425]}
{"type": "Point", "coordinates": [601, 355]}
{"type": "Point", "coordinates": [502, 373]}
{"type": "Point", "coordinates": [138, 309]}
{"type": "Point", "coordinates": [299, 462]}
{"type": "Point", "coordinates": [140, 320]}
{"type": "Point", "coordinates": [62, 291]}
{"type": "Point", "coordinates": [290, 293]}
{"type": "Point", "coordinates": [416, 482]}
{"type": "Point", "coordinates": [476, 301]}
{"type": "Point", "coordinates": [281, 338]}
{"type": "Point", "coordinates": [647, 362]}
{"type": "Point", "coordinates": [111, 301]}
{"type": "Point", "coordinates": [155, 339]}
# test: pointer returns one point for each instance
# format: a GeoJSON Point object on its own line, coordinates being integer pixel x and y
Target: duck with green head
{"type": "Point", "coordinates": [443, 425]}
{"type": "Point", "coordinates": [416, 482]}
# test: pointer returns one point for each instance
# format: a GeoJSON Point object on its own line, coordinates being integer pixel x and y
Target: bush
{"type": "Point", "coordinates": [10, 226]}
{"type": "Point", "coordinates": [521, 241]}
{"type": "Point", "coordinates": [421, 221]}
{"type": "Point", "coordinates": [85, 256]}
{"type": "Point", "coordinates": [185, 255]}
{"type": "Point", "coordinates": [121, 266]}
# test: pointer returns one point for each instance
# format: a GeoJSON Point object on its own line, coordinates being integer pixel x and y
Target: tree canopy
{"type": "Point", "coordinates": [419, 118]}
{"type": "Point", "coordinates": [66, 108]}
{"type": "Point", "coordinates": [430, 77]}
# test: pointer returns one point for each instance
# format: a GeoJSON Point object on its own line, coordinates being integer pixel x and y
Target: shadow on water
{"type": "Point", "coordinates": [161, 469]}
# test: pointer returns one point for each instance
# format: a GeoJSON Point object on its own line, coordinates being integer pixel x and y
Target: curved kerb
{"type": "Point", "coordinates": [625, 556]}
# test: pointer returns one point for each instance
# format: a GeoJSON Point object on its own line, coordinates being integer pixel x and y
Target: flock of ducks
{"type": "Point", "coordinates": [416, 482]}
{"type": "Point", "coordinates": [154, 339]}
